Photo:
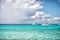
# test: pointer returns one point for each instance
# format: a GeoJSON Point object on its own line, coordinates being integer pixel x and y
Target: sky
{"type": "Point", "coordinates": [27, 11]}
{"type": "Point", "coordinates": [52, 7]}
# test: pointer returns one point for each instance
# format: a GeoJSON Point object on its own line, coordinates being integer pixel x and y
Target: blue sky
{"type": "Point", "coordinates": [52, 7]}
{"type": "Point", "coordinates": [23, 11]}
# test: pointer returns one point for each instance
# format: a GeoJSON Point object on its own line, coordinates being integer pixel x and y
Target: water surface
{"type": "Point", "coordinates": [29, 32]}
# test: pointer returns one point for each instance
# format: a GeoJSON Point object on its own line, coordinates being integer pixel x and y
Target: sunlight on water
{"type": "Point", "coordinates": [29, 33]}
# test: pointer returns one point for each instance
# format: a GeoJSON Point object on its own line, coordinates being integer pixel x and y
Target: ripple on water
{"type": "Point", "coordinates": [46, 34]}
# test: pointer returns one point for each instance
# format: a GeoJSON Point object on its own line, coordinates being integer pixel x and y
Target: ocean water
{"type": "Point", "coordinates": [29, 32]}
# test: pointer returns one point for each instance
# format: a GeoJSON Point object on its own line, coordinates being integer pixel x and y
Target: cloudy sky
{"type": "Point", "coordinates": [27, 11]}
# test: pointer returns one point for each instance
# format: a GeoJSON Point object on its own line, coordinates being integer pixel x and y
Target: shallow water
{"type": "Point", "coordinates": [29, 32]}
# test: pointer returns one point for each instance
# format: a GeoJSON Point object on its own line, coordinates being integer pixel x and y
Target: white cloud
{"type": "Point", "coordinates": [21, 11]}
{"type": "Point", "coordinates": [56, 18]}
{"type": "Point", "coordinates": [40, 14]}
{"type": "Point", "coordinates": [13, 11]}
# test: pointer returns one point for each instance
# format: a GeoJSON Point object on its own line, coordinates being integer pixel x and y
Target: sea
{"type": "Point", "coordinates": [29, 32]}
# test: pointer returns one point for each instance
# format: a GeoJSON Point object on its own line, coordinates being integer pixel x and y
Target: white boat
{"type": "Point", "coordinates": [33, 23]}
{"type": "Point", "coordinates": [46, 24]}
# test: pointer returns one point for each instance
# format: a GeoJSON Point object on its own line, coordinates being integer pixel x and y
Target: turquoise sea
{"type": "Point", "coordinates": [29, 32]}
